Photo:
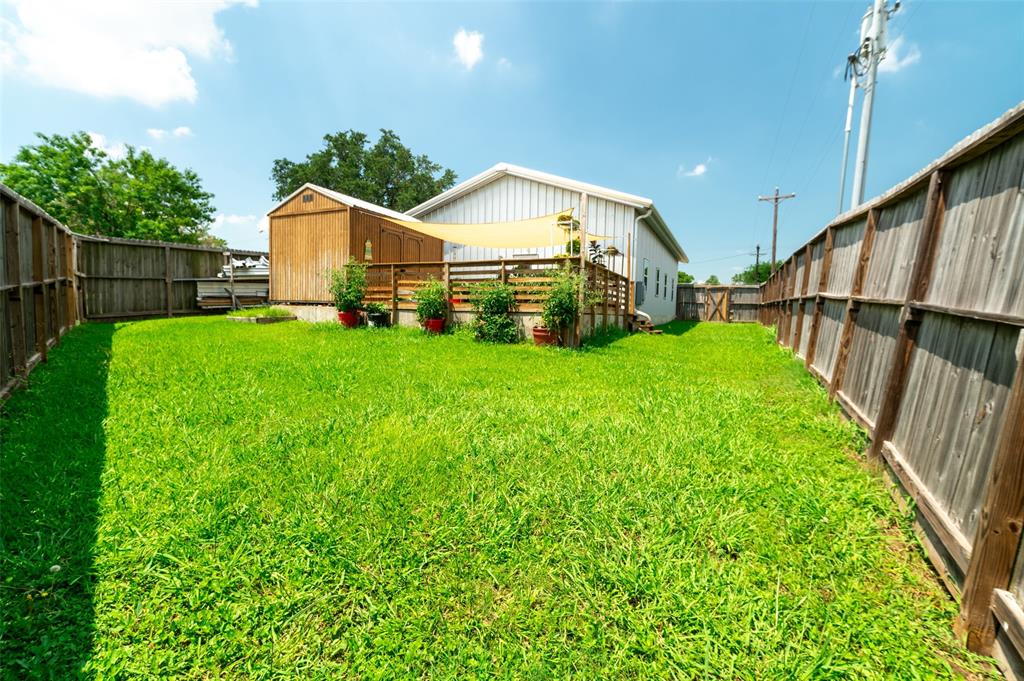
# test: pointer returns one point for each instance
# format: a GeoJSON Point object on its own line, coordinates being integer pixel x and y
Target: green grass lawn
{"type": "Point", "coordinates": [202, 499]}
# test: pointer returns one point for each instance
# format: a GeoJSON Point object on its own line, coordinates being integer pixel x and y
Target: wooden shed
{"type": "Point", "coordinates": [317, 229]}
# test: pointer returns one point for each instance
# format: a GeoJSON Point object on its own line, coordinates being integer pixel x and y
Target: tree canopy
{"type": "Point", "coordinates": [386, 173]}
{"type": "Point", "coordinates": [138, 196]}
{"type": "Point", "coordinates": [747, 276]}
{"type": "Point", "coordinates": [684, 278]}
{"type": "Point", "coordinates": [713, 279]}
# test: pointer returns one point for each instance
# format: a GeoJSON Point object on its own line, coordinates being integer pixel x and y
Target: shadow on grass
{"type": "Point", "coordinates": [51, 461]}
{"type": "Point", "coordinates": [678, 327]}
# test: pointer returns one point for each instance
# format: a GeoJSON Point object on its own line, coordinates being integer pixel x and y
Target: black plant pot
{"type": "Point", "coordinates": [379, 320]}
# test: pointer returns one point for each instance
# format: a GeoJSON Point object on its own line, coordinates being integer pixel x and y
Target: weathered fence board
{"type": "Point", "coordinates": [718, 302]}
{"type": "Point", "coordinates": [927, 284]}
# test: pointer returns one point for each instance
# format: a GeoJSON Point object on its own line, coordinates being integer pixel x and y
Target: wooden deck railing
{"type": "Point", "coordinates": [396, 285]}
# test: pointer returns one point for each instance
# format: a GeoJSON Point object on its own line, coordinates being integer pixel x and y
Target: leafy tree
{"type": "Point", "coordinates": [138, 196]}
{"type": "Point", "coordinates": [684, 278]}
{"type": "Point", "coordinates": [713, 279]}
{"type": "Point", "coordinates": [764, 270]}
{"type": "Point", "coordinates": [386, 173]}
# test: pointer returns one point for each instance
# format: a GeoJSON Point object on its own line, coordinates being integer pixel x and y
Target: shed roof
{"type": "Point", "coordinates": [350, 201]}
{"type": "Point", "coordinates": [498, 170]}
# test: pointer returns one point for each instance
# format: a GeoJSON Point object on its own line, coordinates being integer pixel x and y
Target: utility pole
{"type": "Point", "coordinates": [776, 198]}
{"type": "Point", "coordinates": [757, 264]}
{"type": "Point", "coordinates": [865, 63]}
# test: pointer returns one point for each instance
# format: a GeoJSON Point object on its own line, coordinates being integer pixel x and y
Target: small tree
{"type": "Point", "coordinates": [494, 303]}
{"type": "Point", "coordinates": [432, 301]}
{"type": "Point", "coordinates": [755, 276]}
{"type": "Point", "coordinates": [713, 279]}
{"type": "Point", "coordinates": [348, 286]}
{"type": "Point", "coordinates": [684, 278]}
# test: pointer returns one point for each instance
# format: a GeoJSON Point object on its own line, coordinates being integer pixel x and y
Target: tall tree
{"type": "Point", "coordinates": [748, 276]}
{"type": "Point", "coordinates": [386, 173]}
{"type": "Point", "coordinates": [138, 196]}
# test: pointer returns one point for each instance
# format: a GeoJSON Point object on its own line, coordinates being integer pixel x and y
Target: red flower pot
{"type": "Point", "coordinates": [349, 319]}
{"type": "Point", "coordinates": [544, 336]}
{"type": "Point", "coordinates": [434, 325]}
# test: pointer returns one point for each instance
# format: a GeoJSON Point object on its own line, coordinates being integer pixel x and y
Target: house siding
{"type": "Point", "coordinates": [515, 198]}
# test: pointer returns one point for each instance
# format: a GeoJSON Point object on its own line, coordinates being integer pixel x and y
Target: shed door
{"type": "Point", "coordinates": [390, 246]}
{"type": "Point", "coordinates": [413, 247]}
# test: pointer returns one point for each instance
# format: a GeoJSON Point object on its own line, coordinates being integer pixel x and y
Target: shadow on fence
{"type": "Point", "coordinates": [50, 475]}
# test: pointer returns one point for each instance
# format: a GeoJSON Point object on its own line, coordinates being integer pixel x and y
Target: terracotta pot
{"type": "Point", "coordinates": [349, 319]}
{"type": "Point", "coordinates": [544, 336]}
{"type": "Point", "coordinates": [434, 325]}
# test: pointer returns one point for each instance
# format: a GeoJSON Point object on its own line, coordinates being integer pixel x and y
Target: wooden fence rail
{"type": "Point", "coordinates": [51, 279]}
{"type": "Point", "coordinates": [910, 310]}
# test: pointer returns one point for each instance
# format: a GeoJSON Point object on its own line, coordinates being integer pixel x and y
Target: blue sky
{"type": "Point", "coordinates": [700, 106]}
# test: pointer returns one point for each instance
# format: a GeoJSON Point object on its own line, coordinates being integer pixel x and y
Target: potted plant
{"type": "Point", "coordinates": [561, 309]}
{"type": "Point", "coordinates": [378, 315]}
{"type": "Point", "coordinates": [348, 287]}
{"type": "Point", "coordinates": [432, 306]}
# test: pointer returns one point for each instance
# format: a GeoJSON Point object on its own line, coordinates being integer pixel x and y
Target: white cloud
{"type": "Point", "coordinates": [113, 150]}
{"type": "Point", "coordinates": [696, 171]}
{"type": "Point", "coordinates": [115, 48]}
{"type": "Point", "coordinates": [160, 133]}
{"type": "Point", "coordinates": [895, 60]}
{"type": "Point", "coordinates": [469, 47]}
{"type": "Point", "coordinates": [247, 232]}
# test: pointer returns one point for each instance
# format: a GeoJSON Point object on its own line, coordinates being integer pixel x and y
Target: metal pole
{"type": "Point", "coordinates": [874, 44]}
{"type": "Point", "coordinates": [846, 142]}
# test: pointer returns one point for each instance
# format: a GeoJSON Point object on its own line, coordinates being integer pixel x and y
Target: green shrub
{"type": "Point", "coordinates": [376, 308]}
{"type": "Point", "coordinates": [348, 286]}
{"type": "Point", "coordinates": [562, 307]}
{"type": "Point", "coordinates": [494, 303]}
{"type": "Point", "coordinates": [432, 301]}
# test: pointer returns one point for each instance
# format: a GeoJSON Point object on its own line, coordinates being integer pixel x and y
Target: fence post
{"type": "Point", "coordinates": [448, 292]}
{"type": "Point", "coordinates": [819, 302]}
{"type": "Point", "coordinates": [800, 293]}
{"type": "Point", "coordinates": [394, 297]}
{"type": "Point", "coordinates": [853, 306]}
{"type": "Point", "coordinates": [168, 282]}
{"type": "Point", "coordinates": [40, 297]}
{"type": "Point", "coordinates": [59, 294]}
{"type": "Point", "coordinates": [997, 540]}
{"type": "Point", "coordinates": [12, 234]}
{"type": "Point", "coordinates": [910, 322]}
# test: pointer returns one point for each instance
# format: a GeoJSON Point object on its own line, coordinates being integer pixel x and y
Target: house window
{"type": "Point", "coordinates": [307, 198]}
{"type": "Point", "coordinates": [647, 264]}
{"type": "Point", "coordinates": [657, 281]}
{"type": "Point", "coordinates": [666, 286]}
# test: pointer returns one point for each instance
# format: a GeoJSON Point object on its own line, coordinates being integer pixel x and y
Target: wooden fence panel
{"type": "Point", "coordinates": [845, 256]}
{"type": "Point", "coordinates": [930, 355]}
{"type": "Point", "coordinates": [979, 261]}
{"type": "Point", "coordinates": [833, 313]}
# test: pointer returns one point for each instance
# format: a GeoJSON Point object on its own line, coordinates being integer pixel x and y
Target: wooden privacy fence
{"type": "Point", "coordinates": [127, 278]}
{"type": "Point", "coordinates": [39, 294]}
{"type": "Point", "coordinates": [718, 303]}
{"type": "Point", "coordinates": [396, 285]}
{"type": "Point", "coordinates": [52, 278]}
{"type": "Point", "coordinates": [910, 310]}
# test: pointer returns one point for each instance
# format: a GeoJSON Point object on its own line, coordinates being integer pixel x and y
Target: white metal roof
{"type": "Point", "coordinates": [655, 220]}
{"type": "Point", "coordinates": [349, 201]}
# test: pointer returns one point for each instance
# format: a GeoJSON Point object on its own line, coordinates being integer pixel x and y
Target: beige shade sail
{"type": "Point", "coordinates": [548, 230]}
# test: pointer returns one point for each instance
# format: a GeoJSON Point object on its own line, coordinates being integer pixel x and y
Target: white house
{"type": "Point", "coordinates": [506, 192]}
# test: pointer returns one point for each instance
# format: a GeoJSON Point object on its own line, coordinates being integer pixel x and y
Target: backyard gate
{"type": "Point", "coordinates": [718, 302]}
